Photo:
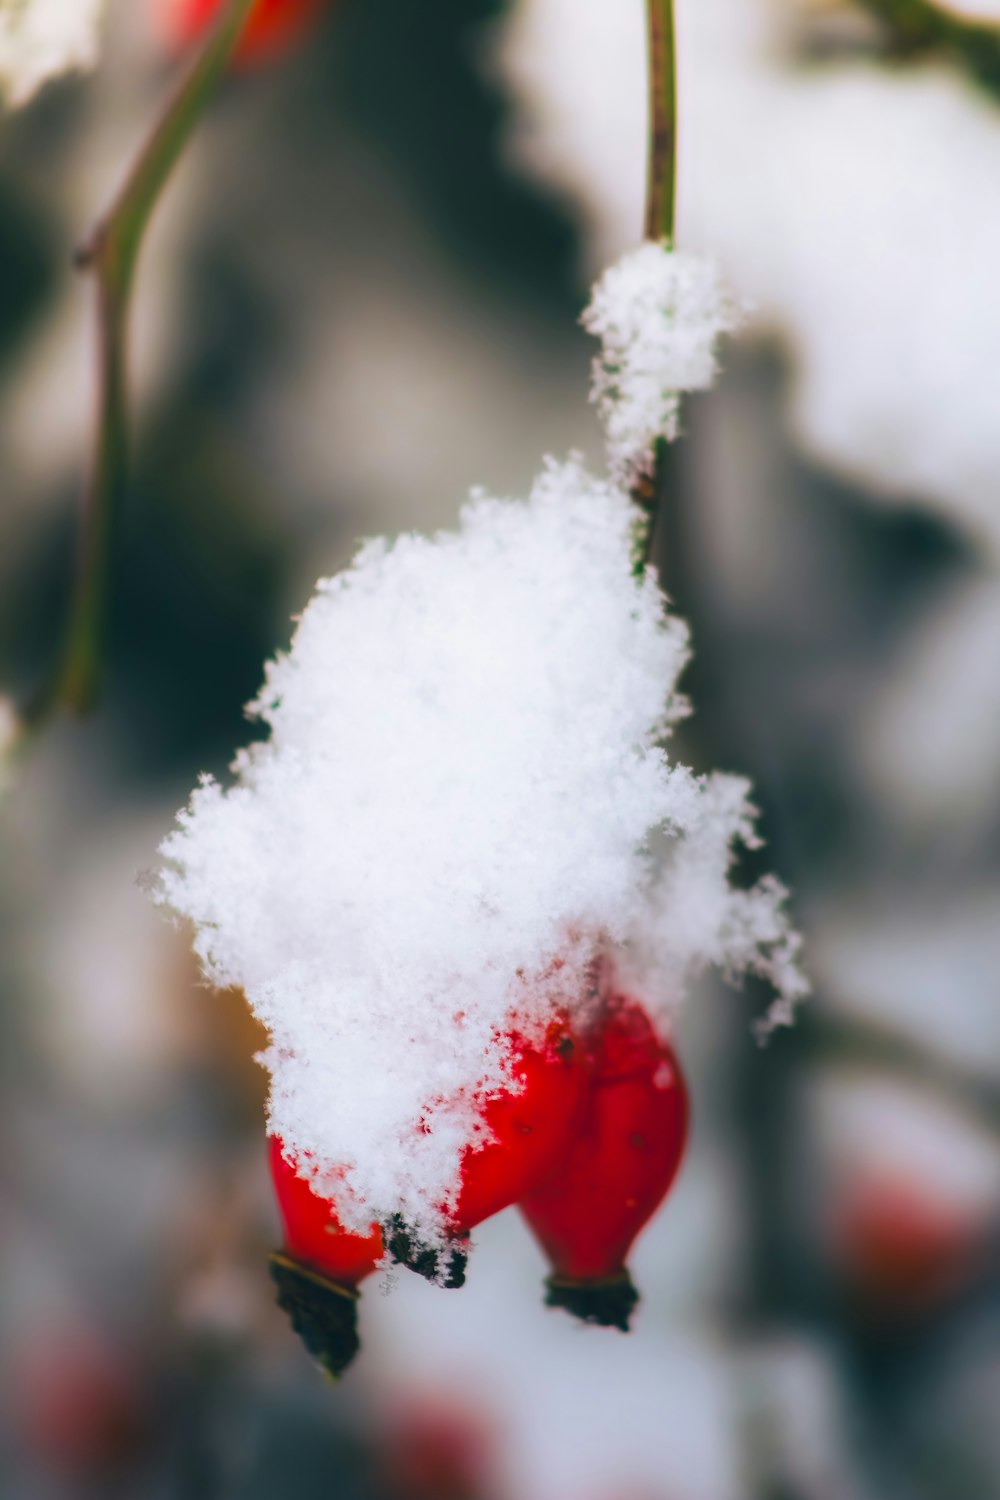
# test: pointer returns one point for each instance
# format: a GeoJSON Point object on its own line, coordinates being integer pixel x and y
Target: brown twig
{"type": "Point", "coordinates": [110, 254]}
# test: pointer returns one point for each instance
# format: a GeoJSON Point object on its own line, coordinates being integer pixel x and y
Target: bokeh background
{"type": "Point", "coordinates": [360, 300]}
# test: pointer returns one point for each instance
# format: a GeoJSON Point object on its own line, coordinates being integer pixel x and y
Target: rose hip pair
{"type": "Point", "coordinates": [588, 1148]}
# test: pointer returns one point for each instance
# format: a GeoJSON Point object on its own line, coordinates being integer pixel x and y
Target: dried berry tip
{"type": "Point", "coordinates": [323, 1314]}
{"type": "Point", "coordinates": [608, 1303]}
{"type": "Point", "coordinates": [445, 1267]}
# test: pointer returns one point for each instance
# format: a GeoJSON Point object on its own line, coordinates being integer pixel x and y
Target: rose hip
{"type": "Point", "coordinates": [619, 1169]}
{"type": "Point", "coordinates": [318, 1271]}
{"type": "Point", "coordinates": [527, 1130]}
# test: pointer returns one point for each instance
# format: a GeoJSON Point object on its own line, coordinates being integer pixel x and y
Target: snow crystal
{"type": "Point", "coordinates": [693, 917]}
{"type": "Point", "coordinates": [40, 39]}
{"type": "Point", "coordinates": [450, 819]}
{"type": "Point", "coordinates": [658, 313]}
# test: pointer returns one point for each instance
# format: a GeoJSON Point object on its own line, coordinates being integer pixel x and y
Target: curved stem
{"type": "Point", "coordinates": [111, 253]}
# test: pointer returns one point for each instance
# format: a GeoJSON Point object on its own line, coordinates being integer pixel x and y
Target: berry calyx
{"type": "Point", "coordinates": [526, 1130]}
{"type": "Point", "coordinates": [624, 1158]}
{"type": "Point", "coordinates": [318, 1271]}
{"type": "Point", "coordinates": [273, 25]}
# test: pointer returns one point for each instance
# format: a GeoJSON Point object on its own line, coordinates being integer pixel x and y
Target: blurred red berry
{"type": "Point", "coordinates": [437, 1449]}
{"type": "Point", "coordinates": [274, 25]}
{"type": "Point", "coordinates": [75, 1401]}
{"type": "Point", "coordinates": [901, 1248]}
{"type": "Point", "coordinates": [619, 1169]}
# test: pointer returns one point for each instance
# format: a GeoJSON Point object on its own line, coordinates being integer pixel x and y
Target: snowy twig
{"type": "Point", "coordinates": [111, 252]}
{"type": "Point", "coordinates": [661, 193]}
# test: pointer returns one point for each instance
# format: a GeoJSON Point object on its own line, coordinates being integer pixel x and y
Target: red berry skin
{"type": "Point", "coordinates": [529, 1132]}
{"type": "Point", "coordinates": [627, 1151]}
{"type": "Point", "coordinates": [273, 26]}
{"type": "Point", "coordinates": [314, 1233]}
{"type": "Point", "coordinates": [901, 1249]}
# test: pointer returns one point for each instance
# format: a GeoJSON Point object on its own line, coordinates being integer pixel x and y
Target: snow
{"type": "Point", "coordinates": [693, 917]}
{"type": "Point", "coordinates": [450, 819]}
{"type": "Point", "coordinates": [39, 39]}
{"type": "Point", "coordinates": [658, 313]}
{"type": "Point", "coordinates": [845, 203]}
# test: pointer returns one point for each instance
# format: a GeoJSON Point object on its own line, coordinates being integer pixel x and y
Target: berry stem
{"type": "Point", "coordinates": [661, 184]}
{"type": "Point", "coordinates": [661, 194]}
{"type": "Point", "coordinates": [111, 252]}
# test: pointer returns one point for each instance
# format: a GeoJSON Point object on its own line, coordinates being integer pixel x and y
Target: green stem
{"type": "Point", "coordinates": [661, 185]}
{"type": "Point", "coordinates": [917, 24]}
{"type": "Point", "coordinates": [111, 253]}
{"type": "Point", "coordinates": [661, 193]}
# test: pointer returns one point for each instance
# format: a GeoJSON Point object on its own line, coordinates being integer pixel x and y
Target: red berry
{"type": "Point", "coordinates": [528, 1132]}
{"type": "Point", "coordinates": [76, 1402]}
{"type": "Point", "coordinates": [317, 1275]}
{"type": "Point", "coordinates": [624, 1159]}
{"type": "Point", "coordinates": [313, 1231]}
{"type": "Point", "coordinates": [273, 26]}
{"type": "Point", "coordinates": [525, 1134]}
{"type": "Point", "coordinates": [436, 1449]}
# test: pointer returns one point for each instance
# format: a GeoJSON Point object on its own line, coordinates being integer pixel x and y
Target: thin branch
{"type": "Point", "coordinates": [661, 193]}
{"type": "Point", "coordinates": [661, 185]}
{"type": "Point", "coordinates": [918, 24]}
{"type": "Point", "coordinates": [828, 1038]}
{"type": "Point", "coordinates": [111, 253]}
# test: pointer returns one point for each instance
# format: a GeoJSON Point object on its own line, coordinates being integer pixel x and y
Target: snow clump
{"type": "Point", "coordinates": [659, 314]}
{"type": "Point", "coordinates": [39, 39]}
{"type": "Point", "coordinates": [845, 202]}
{"type": "Point", "coordinates": [449, 821]}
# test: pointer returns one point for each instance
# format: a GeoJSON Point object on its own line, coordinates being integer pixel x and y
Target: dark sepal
{"type": "Point", "coordinates": [608, 1303]}
{"type": "Point", "coordinates": [444, 1265]}
{"type": "Point", "coordinates": [323, 1313]}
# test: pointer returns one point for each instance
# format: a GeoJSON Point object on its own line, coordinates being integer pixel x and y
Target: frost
{"type": "Point", "coordinates": [39, 39]}
{"type": "Point", "coordinates": [658, 313]}
{"type": "Point", "coordinates": [450, 819]}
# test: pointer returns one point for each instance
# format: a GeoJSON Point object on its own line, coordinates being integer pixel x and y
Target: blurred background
{"type": "Point", "coordinates": [359, 300]}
